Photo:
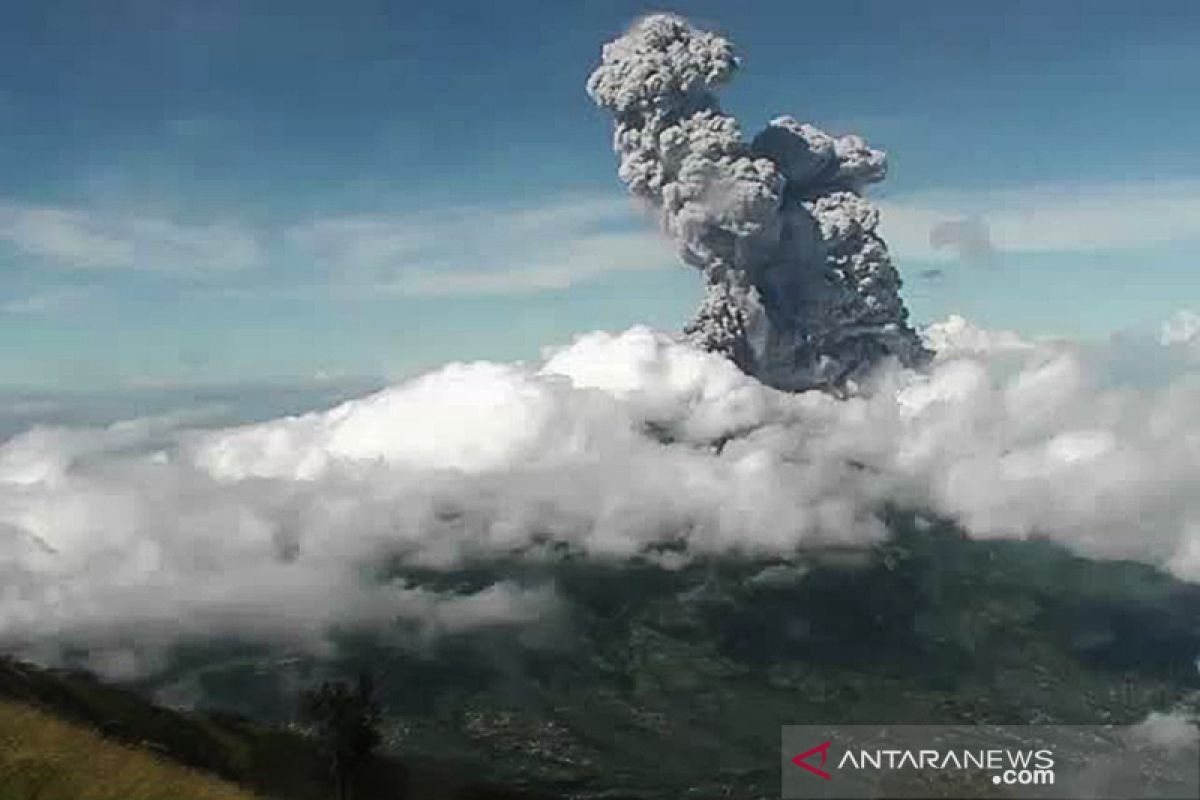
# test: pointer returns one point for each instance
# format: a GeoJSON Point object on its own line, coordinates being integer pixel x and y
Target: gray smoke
{"type": "Point", "coordinates": [970, 238]}
{"type": "Point", "coordinates": [801, 291]}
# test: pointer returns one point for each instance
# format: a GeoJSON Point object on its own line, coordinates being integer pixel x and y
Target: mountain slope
{"type": "Point", "coordinates": [665, 681]}
{"type": "Point", "coordinates": [58, 727]}
{"type": "Point", "coordinates": [662, 682]}
{"type": "Point", "coordinates": [48, 758]}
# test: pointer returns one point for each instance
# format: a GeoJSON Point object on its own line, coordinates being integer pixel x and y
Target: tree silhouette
{"type": "Point", "coordinates": [347, 721]}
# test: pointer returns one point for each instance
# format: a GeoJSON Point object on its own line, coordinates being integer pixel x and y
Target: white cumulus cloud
{"type": "Point", "coordinates": [152, 532]}
{"type": "Point", "coordinates": [1182, 328]}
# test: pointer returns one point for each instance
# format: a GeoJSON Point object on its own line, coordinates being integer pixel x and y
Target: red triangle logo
{"type": "Point", "coordinates": [802, 760]}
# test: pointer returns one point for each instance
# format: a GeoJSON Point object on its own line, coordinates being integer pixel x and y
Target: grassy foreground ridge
{"type": "Point", "coordinates": [64, 735]}
{"type": "Point", "coordinates": [50, 759]}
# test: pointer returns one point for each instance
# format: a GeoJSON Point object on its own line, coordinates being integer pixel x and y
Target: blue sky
{"type": "Point", "coordinates": [220, 193]}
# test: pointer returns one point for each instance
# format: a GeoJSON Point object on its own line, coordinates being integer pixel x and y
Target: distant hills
{"type": "Point", "coordinates": [662, 683]}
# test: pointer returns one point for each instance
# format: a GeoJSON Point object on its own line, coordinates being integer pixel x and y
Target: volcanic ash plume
{"type": "Point", "coordinates": [801, 291]}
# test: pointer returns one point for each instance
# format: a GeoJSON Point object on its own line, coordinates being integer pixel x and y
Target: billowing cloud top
{"type": "Point", "coordinates": [801, 290]}
{"type": "Point", "coordinates": [662, 61]}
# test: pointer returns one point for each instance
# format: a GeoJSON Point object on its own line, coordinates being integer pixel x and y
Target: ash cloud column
{"type": "Point", "coordinates": [801, 291]}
